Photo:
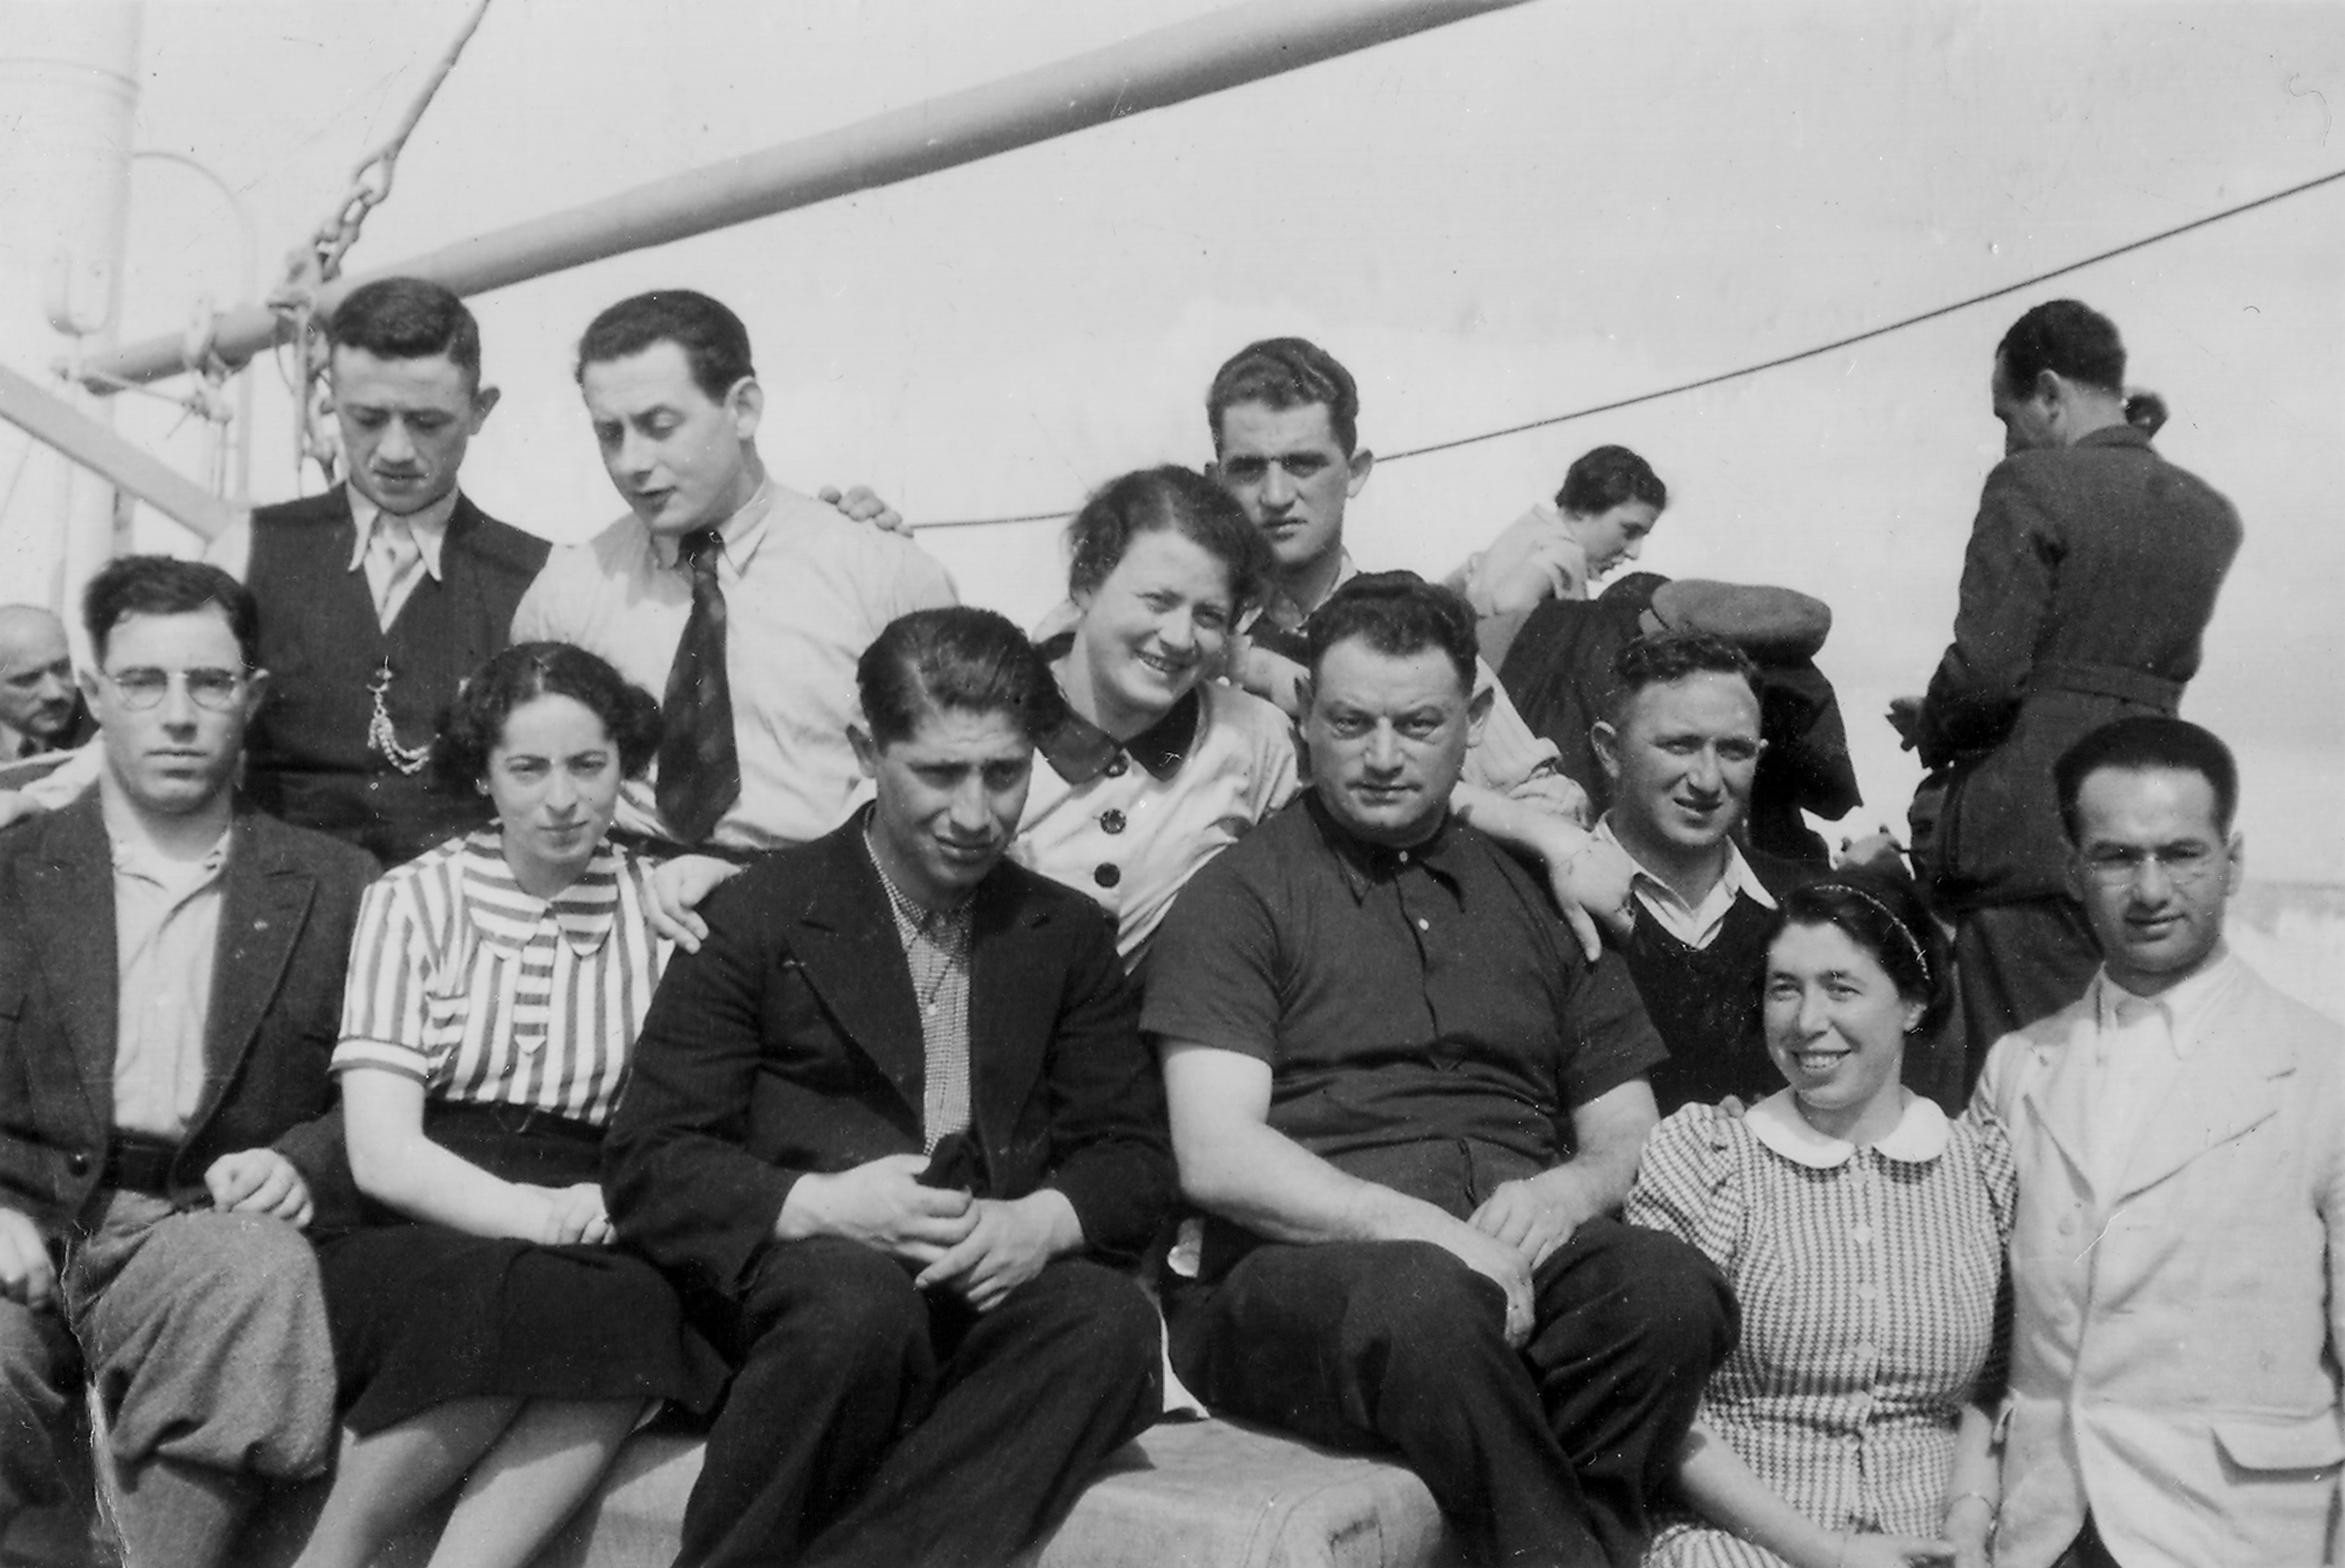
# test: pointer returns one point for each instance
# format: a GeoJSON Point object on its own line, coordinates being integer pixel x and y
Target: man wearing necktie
{"type": "Point", "coordinates": [2174, 1261]}
{"type": "Point", "coordinates": [380, 596]}
{"type": "Point", "coordinates": [744, 603]}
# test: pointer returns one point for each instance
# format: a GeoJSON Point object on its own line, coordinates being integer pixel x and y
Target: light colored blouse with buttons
{"type": "Point", "coordinates": [488, 995]}
{"type": "Point", "coordinates": [1132, 835]}
{"type": "Point", "coordinates": [1867, 1280]}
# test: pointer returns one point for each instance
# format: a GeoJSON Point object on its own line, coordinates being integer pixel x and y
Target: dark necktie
{"type": "Point", "coordinates": [699, 771]}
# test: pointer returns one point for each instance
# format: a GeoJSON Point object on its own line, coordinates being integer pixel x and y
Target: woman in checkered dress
{"type": "Point", "coordinates": [1863, 1233]}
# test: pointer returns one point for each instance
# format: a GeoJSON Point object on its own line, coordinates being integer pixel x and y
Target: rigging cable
{"type": "Point", "coordinates": [1781, 359]}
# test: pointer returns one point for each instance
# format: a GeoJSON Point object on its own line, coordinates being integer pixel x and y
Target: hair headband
{"type": "Point", "coordinates": [1913, 942]}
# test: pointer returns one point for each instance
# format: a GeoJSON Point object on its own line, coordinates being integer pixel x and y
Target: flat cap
{"type": "Point", "coordinates": [1774, 625]}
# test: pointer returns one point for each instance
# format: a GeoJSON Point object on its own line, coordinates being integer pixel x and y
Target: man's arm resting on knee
{"type": "Point", "coordinates": [1539, 1214]}
{"type": "Point", "coordinates": [1238, 1166]}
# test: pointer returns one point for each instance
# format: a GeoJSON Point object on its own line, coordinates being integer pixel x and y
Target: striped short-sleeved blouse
{"type": "Point", "coordinates": [1868, 1280]}
{"type": "Point", "coordinates": [486, 994]}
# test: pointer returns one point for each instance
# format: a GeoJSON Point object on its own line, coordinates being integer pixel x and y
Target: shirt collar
{"type": "Point", "coordinates": [1079, 750]}
{"type": "Point", "coordinates": [428, 527]}
{"type": "Point", "coordinates": [1920, 1136]}
{"type": "Point", "coordinates": [741, 533]}
{"type": "Point", "coordinates": [1363, 864]}
{"type": "Point", "coordinates": [1739, 879]}
{"type": "Point", "coordinates": [2186, 1005]}
{"type": "Point", "coordinates": [509, 916]}
{"type": "Point", "coordinates": [134, 857]}
{"type": "Point", "coordinates": [910, 913]}
{"type": "Point", "coordinates": [1281, 611]}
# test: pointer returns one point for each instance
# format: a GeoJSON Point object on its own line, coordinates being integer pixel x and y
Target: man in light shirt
{"type": "Point", "coordinates": [2180, 1133]}
{"type": "Point", "coordinates": [741, 604]}
{"type": "Point", "coordinates": [1679, 751]}
{"type": "Point", "coordinates": [171, 982]}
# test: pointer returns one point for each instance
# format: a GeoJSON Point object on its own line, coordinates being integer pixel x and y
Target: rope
{"type": "Point", "coordinates": [319, 263]}
{"type": "Point", "coordinates": [1781, 359]}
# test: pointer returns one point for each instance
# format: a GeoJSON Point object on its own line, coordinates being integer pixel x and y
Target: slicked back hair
{"type": "Point", "coordinates": [407, 318]}
{"type": "Point", "coordinates": [2067, 337]}
{"type": "Point", "coordinates": [474, 723]}
{"type": "Point", "coordinates": [955, 658]}
{"type": "Point", "coordinates": [160, 585]}
{"type": "Point", "coordinates": [1287, 373]}
{"type": "Point", "coordinates": [715, 344]}
{"type": "Point", "coordinates": [1182, 500]}
{"type": "Point", "coordinates": [2141, 743]}
{"type": "Point", "coordinates": [1606, 477]}
{"type": "Point", "coordinates": [1397, 613]}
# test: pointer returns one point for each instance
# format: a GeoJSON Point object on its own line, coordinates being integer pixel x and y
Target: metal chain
{"type": "Point", "coordinates": [310, 267]}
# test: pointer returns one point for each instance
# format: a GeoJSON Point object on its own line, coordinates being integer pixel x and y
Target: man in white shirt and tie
{"type": "Point", "coordinates": [2177, 1259]}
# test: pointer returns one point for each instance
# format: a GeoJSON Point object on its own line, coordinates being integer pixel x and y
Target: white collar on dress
{"type": "Point", "coordinates": [1920, 1136]}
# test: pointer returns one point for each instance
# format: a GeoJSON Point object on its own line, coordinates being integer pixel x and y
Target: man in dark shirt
{"type": "Point", "coordinates": [894, 1126]}
{"type": "Point", "coordinates": [1410, 1107]}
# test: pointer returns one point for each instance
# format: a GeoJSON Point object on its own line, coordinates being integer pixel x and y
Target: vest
{"type": "Point", "coordinates": [1705, 1001]}
{"type": "Point", "coordinates": [308, 759]}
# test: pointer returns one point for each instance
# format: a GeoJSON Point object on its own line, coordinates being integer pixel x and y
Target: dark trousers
{"type": "Point", "coordinates": [2014, 963]}
{"type": "Point", "coordinates": [869, 1423]}
{"type": "Point", "coordinates": [1543, 1456]}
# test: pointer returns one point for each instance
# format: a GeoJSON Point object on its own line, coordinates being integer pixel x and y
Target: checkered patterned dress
{"type": "Point", "coordinates": [1869, 1282]}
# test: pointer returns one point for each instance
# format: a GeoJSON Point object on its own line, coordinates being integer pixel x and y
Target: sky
{"type": "Point", "coordinates": [1520, 215]}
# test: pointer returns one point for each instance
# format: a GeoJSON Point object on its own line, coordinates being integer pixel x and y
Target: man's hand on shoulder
{"type": "Point", "coordinates": [880, 1204]}
{"type": "Point", "coordinates": [862, 504]}
{"type": "Point", "coordinates": [1007, 1247]}
{"type": "Point", "coordinates": [678, 888]}
{"type": "Point", "coordinates": [15, 805]}
{"type": "Point", "coordinates": [259, 1181]}
{"type": "Point", "coordinates": [27, 1276]}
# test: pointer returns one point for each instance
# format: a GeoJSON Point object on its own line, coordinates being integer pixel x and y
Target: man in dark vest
{"type": "Point", "coordinates": [1678, 746]}
{"type": "Point", "coordinates": [380, 596]}
{"type": "Point", "coordinates": [2089, 579]}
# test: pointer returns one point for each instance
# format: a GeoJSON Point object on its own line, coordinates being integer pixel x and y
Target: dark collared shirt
{"type": "Point", "coordinates": [1428, 1017]}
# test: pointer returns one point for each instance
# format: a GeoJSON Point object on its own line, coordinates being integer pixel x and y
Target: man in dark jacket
{"type": "Point", "coordinates": [895, 1119]}
{"type": "Point", "coordinates": [170, 981]}
{"type": "Point", "coordinates": [2089, 579]}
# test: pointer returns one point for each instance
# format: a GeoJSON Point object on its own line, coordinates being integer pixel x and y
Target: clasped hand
{"type": "Point", "coordinates": [570, 1216]}
{"type": "Point", "coordinates": [980, 1248]}
{"type": "Point", "coordinates": [259, 1181]}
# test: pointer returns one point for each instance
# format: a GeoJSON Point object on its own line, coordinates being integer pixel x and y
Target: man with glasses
{"type": "Point", "coordinates": [170, 984]}
{"type": "Point", "coordinates": [2180, 1133]}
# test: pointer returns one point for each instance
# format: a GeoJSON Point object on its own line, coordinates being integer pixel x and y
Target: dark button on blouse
{"type": "Point", "coordinates": [1108, 876]}
{"type": "Point", "coordinates": [1111, 821]}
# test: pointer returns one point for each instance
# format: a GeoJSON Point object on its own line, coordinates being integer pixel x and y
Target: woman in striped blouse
{"type": "Point", "coordinates": [484, 1330]}
{"type": "Point", "coordinates": [1863, 1235]}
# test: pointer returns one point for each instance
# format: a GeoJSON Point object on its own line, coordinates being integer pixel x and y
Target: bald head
{"type": "Point", "coordinates": [36, 673]}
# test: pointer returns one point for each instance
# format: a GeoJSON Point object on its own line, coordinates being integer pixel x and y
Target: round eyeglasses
{"type": "Point", "coordinates": [144, 687]}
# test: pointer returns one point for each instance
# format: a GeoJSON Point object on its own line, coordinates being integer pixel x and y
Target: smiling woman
{"type": "Point", "coordinates": [1864, 1236]}
{"type": "Point", "coordinates": [1156, 768]}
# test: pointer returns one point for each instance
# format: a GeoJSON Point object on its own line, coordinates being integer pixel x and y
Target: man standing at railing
{"type": "Point", "coordinates": [2089, 580]}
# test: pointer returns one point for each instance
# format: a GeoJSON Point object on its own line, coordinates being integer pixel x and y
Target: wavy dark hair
{"type": "Point", "coordinates": [1287, 373]}
{"type": "Point", "coordinates": [407, 318]}
{"type": "Point", "coordinates": [1884, 916]}
{"type": "Point", "coordinates": [474, 725]}
{"type": "Point", "coordinates": [1170, 497]}
{"type": "Point", "coordinates": [1606, 477]}
{"type": "Point", "coordinates": [715, 344]}
{"type": "Point", "coordinates": [1397, 613]}
{"type": "Point", "coordinates": [163, 585]}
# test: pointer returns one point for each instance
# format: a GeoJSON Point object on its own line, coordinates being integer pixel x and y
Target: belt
{"type": "Point", "coordinates": [652, 847]}
{"type": "Point", "coordinates": [2125, 684]}
{"type": "Point", "coordinates": [140, 1164]}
